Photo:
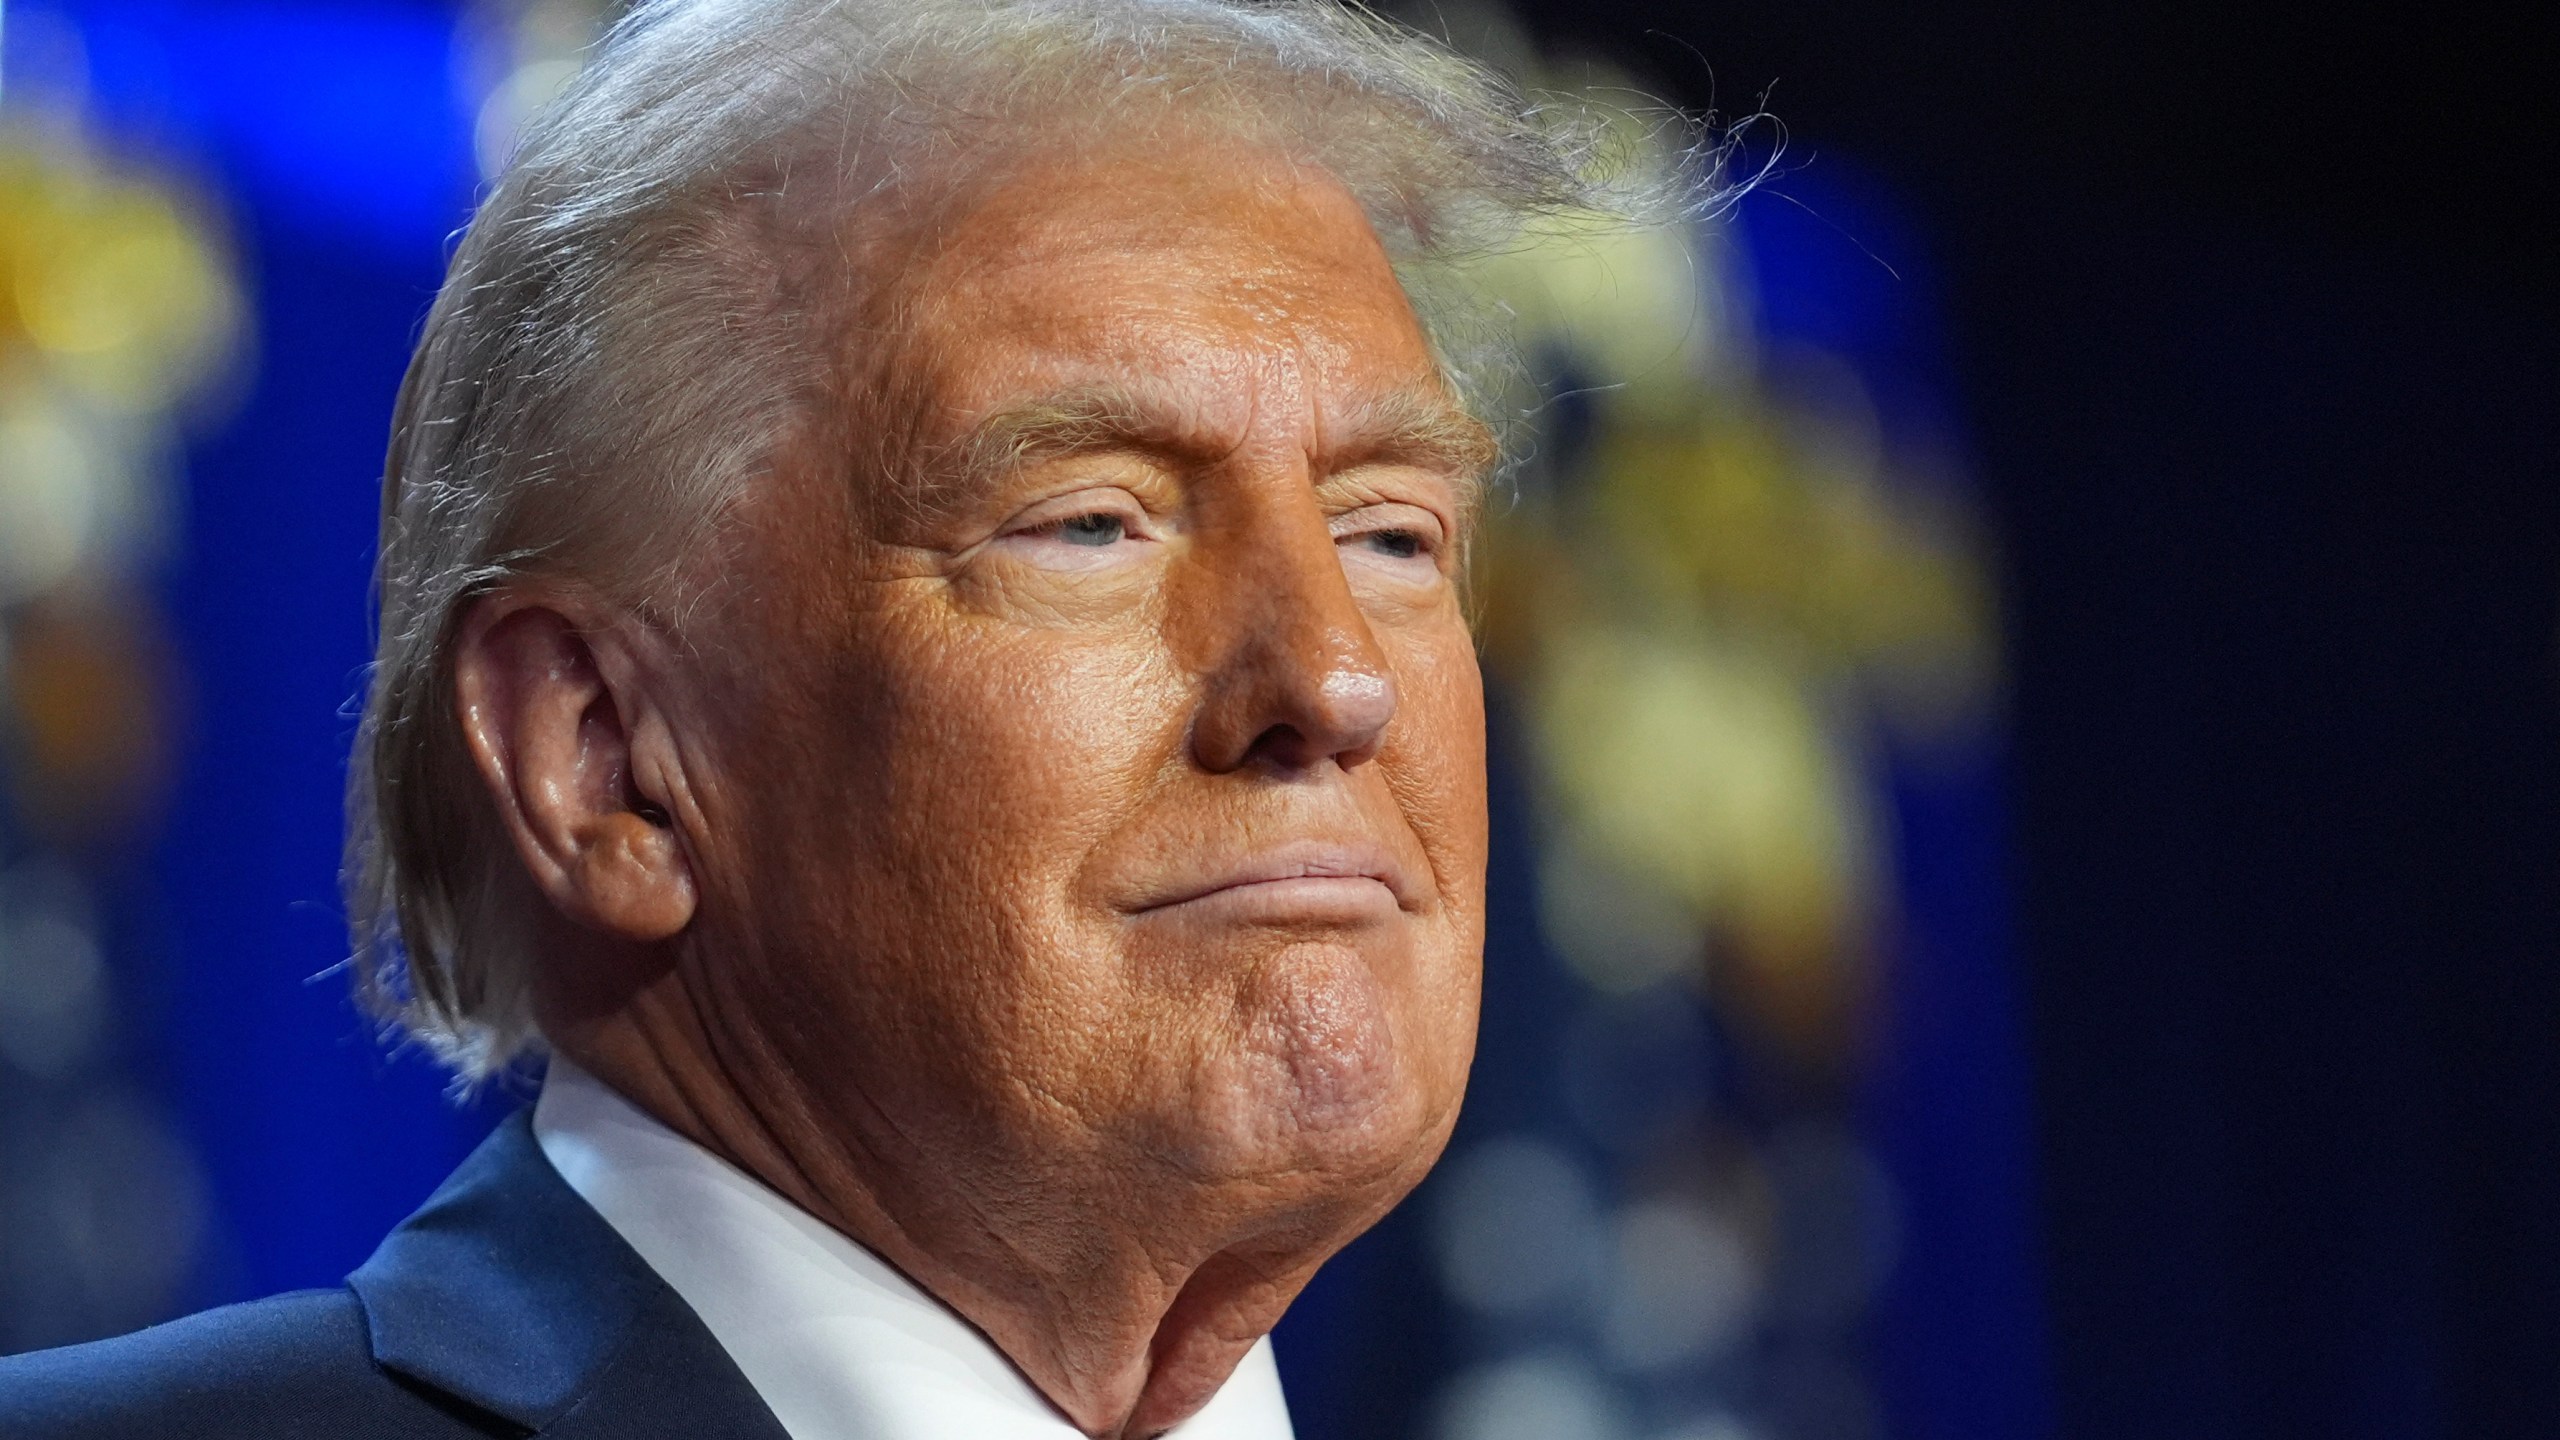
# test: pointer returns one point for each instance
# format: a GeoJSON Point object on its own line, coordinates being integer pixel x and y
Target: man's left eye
{"type": "Point", "coordinates": [1096, 530]}
{"type": "Point", "coordinates": [1395, 544]}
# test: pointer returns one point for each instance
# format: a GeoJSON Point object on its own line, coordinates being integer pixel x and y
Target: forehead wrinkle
{"type": "Point", "coordinates": [1081, 420]}
{"type": "Point", "coordinates": [1269, 302]}
{"type": "Point", "coordinates": [1416, 425]}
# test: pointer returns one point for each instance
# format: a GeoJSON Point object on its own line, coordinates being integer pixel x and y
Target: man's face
{"type": "Point", "coordinates": [1099, 811]}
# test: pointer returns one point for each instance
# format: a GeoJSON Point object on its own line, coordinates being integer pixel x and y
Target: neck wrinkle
{"type": "Point", "coordinates": [1169, 1348]}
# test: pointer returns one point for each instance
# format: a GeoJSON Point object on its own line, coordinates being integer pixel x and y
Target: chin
{"type": "Point", "coordinates": [1321, 1086]}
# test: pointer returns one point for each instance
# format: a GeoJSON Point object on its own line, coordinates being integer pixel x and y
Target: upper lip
{"type": "Point", "coordinates": [1296, 860]}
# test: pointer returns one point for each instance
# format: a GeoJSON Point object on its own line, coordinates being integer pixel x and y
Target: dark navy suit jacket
{"type": "Point", "coordinates": [505, 1307]}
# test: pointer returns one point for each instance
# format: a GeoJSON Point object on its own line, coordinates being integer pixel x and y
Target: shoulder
{"type": "Point", "coordinates": [296, 1364]}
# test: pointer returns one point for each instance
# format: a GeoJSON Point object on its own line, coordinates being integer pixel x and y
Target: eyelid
{"type": "Point", "coordinates": [1057, 510]}
{"type": "Point", "coordinates": [1432, 488]}
{"type": "Point", "coordinates": [1390, 515]}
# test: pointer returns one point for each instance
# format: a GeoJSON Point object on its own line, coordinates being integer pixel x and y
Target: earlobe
{"type": "Point", "coordinates": [634, 879]}
{"type": "Point", "coordinates": [549, 730]}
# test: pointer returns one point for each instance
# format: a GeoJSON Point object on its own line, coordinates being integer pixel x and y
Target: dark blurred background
{"type": "Point", "coordinates": [2026, 732]}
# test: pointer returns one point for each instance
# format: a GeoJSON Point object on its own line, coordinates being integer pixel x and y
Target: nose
{"type": "Point", "coordinates": [1295, 676]}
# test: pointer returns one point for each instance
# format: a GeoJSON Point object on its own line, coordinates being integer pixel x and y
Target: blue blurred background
{"type": "Point", "coordinates": [2027, 757]}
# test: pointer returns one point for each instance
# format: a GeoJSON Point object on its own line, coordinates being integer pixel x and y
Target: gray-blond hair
{"type": "Point", "coordinates": [620, 344]}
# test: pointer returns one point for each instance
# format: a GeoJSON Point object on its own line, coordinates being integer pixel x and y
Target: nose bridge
{"type": "Point", "coordinates": [1291, 667]}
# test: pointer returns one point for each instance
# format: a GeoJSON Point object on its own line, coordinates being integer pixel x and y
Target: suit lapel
{"type": "Point", "coordinates": [509, 1293]}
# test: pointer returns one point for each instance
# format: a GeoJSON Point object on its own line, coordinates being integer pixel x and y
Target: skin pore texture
{"type": "Point", "coordinates": [1057, 859]}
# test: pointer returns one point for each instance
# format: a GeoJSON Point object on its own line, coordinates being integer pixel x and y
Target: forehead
{"type": "Point", "coordinates": [1253, 290]}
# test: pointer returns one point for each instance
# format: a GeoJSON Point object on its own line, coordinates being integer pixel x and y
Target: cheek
{"type": "Point", "coordinates": [989, 760]}
{"type": "Point", "coordinates": [1433, 759]}
{"type": "Point", "coordinates": [1435, 764]}
{"type": "Point", "coordinates": [1021, 748]}
{"type": "Point", "coordinates": [924, 820]}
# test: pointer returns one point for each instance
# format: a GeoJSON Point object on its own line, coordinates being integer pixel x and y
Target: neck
{"type": "Point", "coordinates": [1127, 1314]}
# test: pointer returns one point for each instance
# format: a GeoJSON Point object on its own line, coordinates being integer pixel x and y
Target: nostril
{"type": "Point", "coordinates": [1284, 747]}
{"type": "Point", "coordinates": [1297, 685]}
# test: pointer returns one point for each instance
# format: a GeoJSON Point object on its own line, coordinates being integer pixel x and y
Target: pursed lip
{"type": "Point", "coordinates": [1315, 867]}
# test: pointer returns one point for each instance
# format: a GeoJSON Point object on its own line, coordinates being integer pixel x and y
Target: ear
{"type": "Point", "coordinates": [555, 724]}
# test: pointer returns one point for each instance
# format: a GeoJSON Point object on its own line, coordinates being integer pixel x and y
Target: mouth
{"type": "Point", "coordinates": [1301, 881]}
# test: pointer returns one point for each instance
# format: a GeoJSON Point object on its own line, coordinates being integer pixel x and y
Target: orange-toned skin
{"type": "Point", "coordinates": [897, 936]}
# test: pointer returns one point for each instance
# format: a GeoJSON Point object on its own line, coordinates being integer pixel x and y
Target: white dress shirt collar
{"type": "Point", "coordinates": [838, 1343]}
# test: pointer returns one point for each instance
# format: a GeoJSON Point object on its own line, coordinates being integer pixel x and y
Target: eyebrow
{"type": "Point", "coordinates": [1417, 425]}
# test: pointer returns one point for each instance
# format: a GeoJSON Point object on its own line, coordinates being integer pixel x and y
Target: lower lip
{"type": "Point", "coordinates": [1300, 900]}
